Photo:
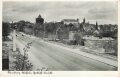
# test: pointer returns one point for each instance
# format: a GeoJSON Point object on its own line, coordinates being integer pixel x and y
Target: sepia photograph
{"type": "Point", "coordinates": [60, 36]}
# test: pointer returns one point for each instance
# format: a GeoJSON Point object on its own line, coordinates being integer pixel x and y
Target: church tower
{"type": "Point", "coordinates": [96, 26]}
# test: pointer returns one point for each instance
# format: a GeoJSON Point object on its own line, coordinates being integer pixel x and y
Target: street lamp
{"type": "Point", "coordinates": [44, 31]}
{"type": "Point", "coordinates": [14, 38]}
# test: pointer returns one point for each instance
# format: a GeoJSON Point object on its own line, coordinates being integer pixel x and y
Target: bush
{"type": "Point", "coordinates": [111, 46]}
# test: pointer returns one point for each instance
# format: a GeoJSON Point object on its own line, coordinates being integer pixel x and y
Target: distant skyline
{"type": "Point", "coordinates": [101, 11]}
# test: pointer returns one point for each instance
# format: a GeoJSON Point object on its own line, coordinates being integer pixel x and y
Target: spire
{"type": "Point", "coordinates": [84, 20]}
{"type": "Point", "coordinates": [96, 25]}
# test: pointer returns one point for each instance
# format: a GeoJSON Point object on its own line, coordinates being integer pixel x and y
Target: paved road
{"type": "Point", "coordinates": [57, 59]}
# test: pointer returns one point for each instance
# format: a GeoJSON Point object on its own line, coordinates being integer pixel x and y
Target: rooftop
{"type": "Point", "coordinates": [70, 20]}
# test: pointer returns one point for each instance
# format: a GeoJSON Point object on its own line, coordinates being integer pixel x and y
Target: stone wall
{"type": "Point", "coordinates": [98, 45]}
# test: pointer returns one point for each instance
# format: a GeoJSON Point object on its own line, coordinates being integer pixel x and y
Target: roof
{"type": "Point", "coordinates": [96, 32]}
{"type": "Point", "coordinates": [39, 16]}
{"type": "Point", "coordinates": [70, 20]}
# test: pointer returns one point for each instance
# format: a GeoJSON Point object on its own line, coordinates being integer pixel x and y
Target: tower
{"type": "Point", "coordinates": [39, 19]}
{"type": "Point", "coordinates": [96, 26]}
{"type": "Point", "coordinates": [39, 25]}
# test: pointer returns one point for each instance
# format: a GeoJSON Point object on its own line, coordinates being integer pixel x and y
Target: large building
{"type": "Point", "coordinates": [75, 22]}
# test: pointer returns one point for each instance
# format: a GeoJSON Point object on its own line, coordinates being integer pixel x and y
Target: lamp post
{"type": "Point", "coordinates": [44, 31]}
{"type": "Point", "coordinates": [14, 38]}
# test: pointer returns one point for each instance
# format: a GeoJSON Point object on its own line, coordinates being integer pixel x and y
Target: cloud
{"type": "Point", "coordinates": [102, 13]}
{"type": "Point", "coordinates": [56, 11]}
{"type": "Point", "coordinates": [22, 7]}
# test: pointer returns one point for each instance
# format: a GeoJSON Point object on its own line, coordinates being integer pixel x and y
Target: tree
{"type": "Point", "coordinates": [21, 25]}
{"type": "Point", "coordinates": [78, 38]}
{"type": "Point", "coordinates": [5, 30]}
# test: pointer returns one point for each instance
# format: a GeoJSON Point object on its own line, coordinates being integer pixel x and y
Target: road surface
{"type": "Point", "coordinates": [54, 58]}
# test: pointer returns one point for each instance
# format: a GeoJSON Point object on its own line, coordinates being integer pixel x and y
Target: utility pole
{"type": "Point", "coordinates": [34, 30]}
{"type": "Point", "coordinates": [44, 31]}
{"type": "Point", "coordinates": [14, 37]}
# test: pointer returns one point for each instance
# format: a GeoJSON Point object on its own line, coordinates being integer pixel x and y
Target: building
{"type": "Point", "coordinates": [75, 22]}
{"type": "Point", "coordinates": [39, 26]}
{"type": "Point", "coordinates": [88, 29]}
{"type": "Point", "coordinates": [39, 22]}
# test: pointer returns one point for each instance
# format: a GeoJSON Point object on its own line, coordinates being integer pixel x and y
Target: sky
{"type": "Point", "coordinates": [103, 12]}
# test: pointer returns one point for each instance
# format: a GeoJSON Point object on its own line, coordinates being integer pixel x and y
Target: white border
{"type": "Point", "coordinates": [63, 73]}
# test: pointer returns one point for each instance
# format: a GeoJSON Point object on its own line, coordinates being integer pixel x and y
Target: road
{"type": "Point", "coordinates": [54, 58]}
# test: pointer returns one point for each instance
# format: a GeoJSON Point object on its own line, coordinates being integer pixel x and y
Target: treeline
{"type": "Point", "coordinates": [107, 30]}
{"type": "Point", "coordinates": [5, 30]}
